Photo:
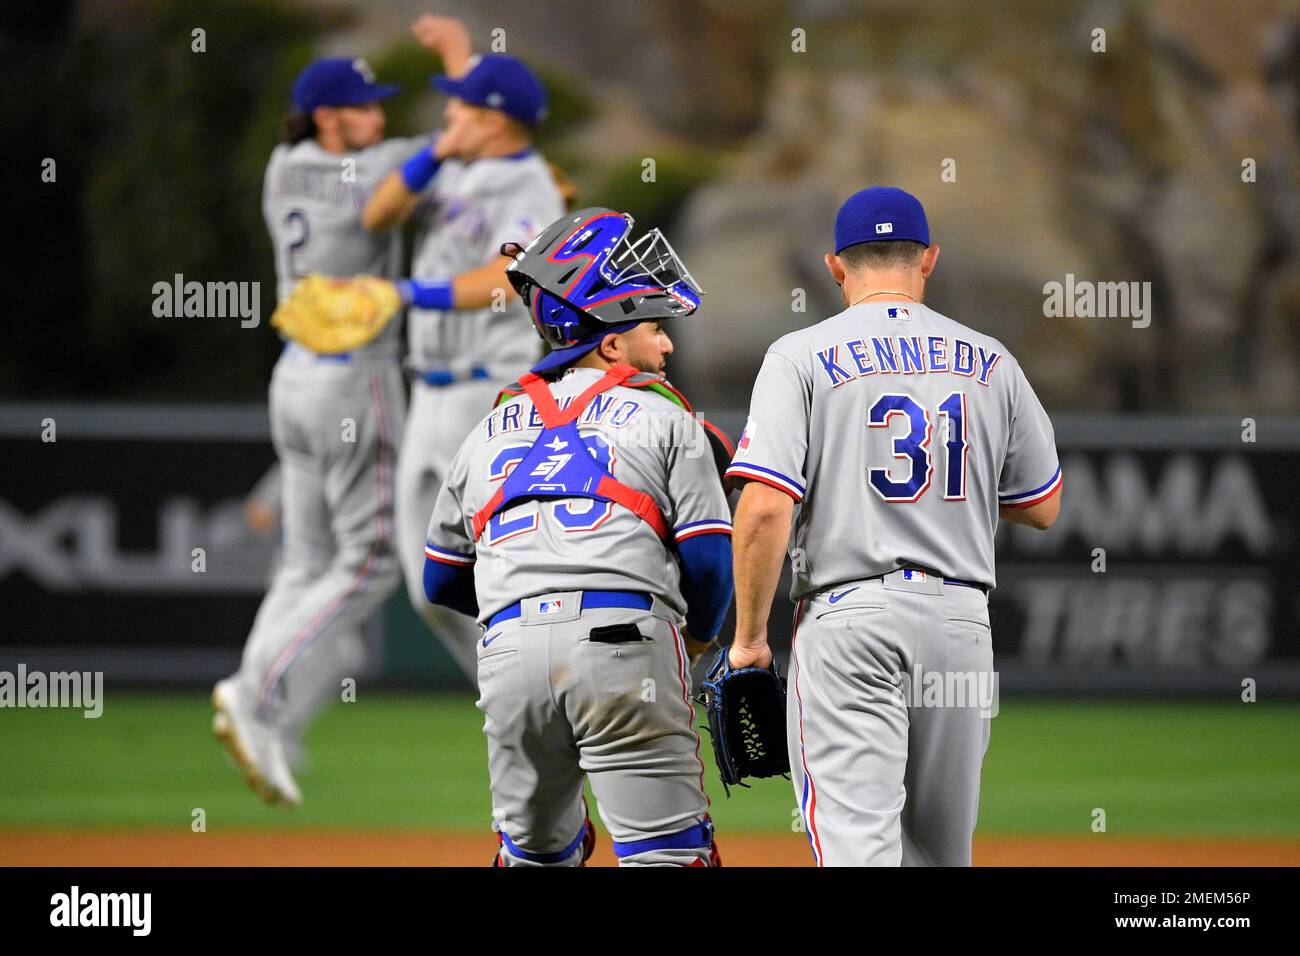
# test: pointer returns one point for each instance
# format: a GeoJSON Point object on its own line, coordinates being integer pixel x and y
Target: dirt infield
{"type": "Point", "coordinates": [425, 848]}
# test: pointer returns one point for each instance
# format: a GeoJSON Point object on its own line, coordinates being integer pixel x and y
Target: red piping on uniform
{"type": "Point", "coordinates": [803, 755]}
{"type": "Point", "coordinates": [678, 646]}
{"type": "Point", "coordinates": [285, 659]}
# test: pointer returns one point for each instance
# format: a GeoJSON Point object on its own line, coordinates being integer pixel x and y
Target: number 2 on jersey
{"type": "Point", "coordinates": [913, 447]}
{"type": "Point", "coordinates": [296, 218]}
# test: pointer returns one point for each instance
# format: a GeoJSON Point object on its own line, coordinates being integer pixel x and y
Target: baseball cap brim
{"type": "Point", "coordinates": [571, 353]}
{"type": "Point", "coordinates": [457, 88]}
{"type": "Point", "coordinates": [453, 87]}
{"type": "Point", "coordinates": [369, 94]}
{"type": "Point", "coordinates": [562, 357]}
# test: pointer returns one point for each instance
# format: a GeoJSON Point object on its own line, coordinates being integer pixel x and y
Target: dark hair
{"type": "Point", "coordinates": [297, 126]}
{"type": "Point", "coordinates": [882, 254]}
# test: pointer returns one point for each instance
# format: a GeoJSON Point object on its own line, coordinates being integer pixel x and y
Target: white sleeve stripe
{"type": "Point", "coordinates": [702, 527]}
{"type": "Point", "coordinates": [695, 524]}
{"type": "Point", "coordinates": [450, 557]}
{"type": "Point", "coordinates": [1007, 499]}
{"type": "Point", "coordinates": [768, 477]}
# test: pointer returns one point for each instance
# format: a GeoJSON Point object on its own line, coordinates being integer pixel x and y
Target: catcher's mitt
{"type": "Point", "coordinates": [337, 315]}
{"type": "Point", "coordinates": [746, 710]}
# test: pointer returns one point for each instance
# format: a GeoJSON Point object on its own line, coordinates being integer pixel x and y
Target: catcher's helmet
{"type": "Point", "coordinates": [583, 277]}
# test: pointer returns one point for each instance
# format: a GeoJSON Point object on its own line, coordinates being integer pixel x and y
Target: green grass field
{"type": "Point", "coordinates": [1157, 768]}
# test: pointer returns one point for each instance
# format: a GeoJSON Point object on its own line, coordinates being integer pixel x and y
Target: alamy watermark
{"type": "Point", "coordinates": [75, 908]}
{"type": "Point", "coordinates": [77, 690]}
{"type": "Point", "coordinates": [1084, 299]}
{"type": "Point", "coordinates": [208, 300]}
{"type": "Point", "coordinates": [949, 689]}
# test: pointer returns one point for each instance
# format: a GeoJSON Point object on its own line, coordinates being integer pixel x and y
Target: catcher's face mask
{"type": "Point", "coordinates": [583, 276]}
{"type": "Point", "coordinates": [650, 258]}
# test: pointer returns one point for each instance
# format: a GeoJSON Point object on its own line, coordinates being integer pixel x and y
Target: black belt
{"type": "Point", "coordinates": [957, 581]}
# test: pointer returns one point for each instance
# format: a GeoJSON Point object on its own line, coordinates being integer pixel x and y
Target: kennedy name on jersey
{"type": "Point", "coordinates": [906, 355]}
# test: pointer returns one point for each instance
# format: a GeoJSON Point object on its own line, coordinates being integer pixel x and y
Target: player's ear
{"type": "Point", "coordinates": [928, 259]}
{"type": "Point", "coordinates": [325, 117]}
{"type": "Point", "coordinates": [611, 347]}
{"type": "Point", "coordinates": [834, 267]}
{"type": "Point", "coordinates": [499, 123]}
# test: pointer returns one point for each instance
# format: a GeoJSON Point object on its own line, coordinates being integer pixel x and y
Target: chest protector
{"type": "Point", "coordinates": [559, 465]}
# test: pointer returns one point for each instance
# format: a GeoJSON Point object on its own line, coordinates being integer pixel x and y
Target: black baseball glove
{"type": "Point", "coordinates": [746, 710]}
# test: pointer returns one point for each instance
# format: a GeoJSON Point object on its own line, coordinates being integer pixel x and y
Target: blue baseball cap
{"type": "Point", "coordinates": [558, 358]}
{"type": "Point", "coordinates": [499, 82]}
{"type": "Point", "coordinates": [878, 214]}
{"type": "Point", "coordinates": [338, 81]}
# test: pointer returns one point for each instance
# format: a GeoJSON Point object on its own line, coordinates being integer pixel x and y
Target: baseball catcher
{"type": "Point", "coordinates": [584, 525]}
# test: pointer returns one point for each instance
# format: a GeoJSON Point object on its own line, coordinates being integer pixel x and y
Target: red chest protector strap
{"type": "Point", "coordinates": [610, 488]}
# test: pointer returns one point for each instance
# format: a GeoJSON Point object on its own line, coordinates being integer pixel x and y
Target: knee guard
{"type": "Point", "coordinates": [585, 840]}
{"type": "Point", "coordinates": [694, 846]}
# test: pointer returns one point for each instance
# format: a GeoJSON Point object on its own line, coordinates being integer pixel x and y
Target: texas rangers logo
{"type": "Point", "coordinates": [746, 435]}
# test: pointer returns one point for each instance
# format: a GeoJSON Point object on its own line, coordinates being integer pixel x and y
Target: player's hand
{"type": "Point", "coordinates": [445, 36]}
{"type": "Point", "coordinates": [450, 143]}
{"type": "Point", "coordinates": [752, 655]}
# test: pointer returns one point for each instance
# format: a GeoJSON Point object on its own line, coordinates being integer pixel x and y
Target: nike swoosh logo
{"type": "Point", "coordinates": [835, 597]}
{"type": "Point", "coordinates": [489, 640]}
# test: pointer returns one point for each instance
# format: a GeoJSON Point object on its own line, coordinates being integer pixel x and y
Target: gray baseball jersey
{"type": "Point", "coordinates": [312, 201]}
{"type": "Point", "coordinates": [535, 547]}
{"type": "Point", "coordinates": [468, 211]}
{"type": "Point", "coordinates": [569, 690]}
{"type": "Point", "coordinates": [335, 423]}
{"type": "Point", "coordinates": [899, 432]}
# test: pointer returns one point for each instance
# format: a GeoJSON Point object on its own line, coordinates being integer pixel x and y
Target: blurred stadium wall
{"type": "Point", "coordinates": [1171, 568]}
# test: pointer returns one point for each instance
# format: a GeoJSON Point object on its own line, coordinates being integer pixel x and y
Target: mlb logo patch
{"type": "Point", "coordinates": [884, 227]}
{"type": "Point", "coordinates": [898, 313]}
{"type": "Point", "coordinates": [550, 607]}
{"type": "Point", "coordinates": [911, 574]}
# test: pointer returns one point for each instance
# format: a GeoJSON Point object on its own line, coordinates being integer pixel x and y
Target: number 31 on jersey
{"type": "Point", "coordinates": [913, 447]}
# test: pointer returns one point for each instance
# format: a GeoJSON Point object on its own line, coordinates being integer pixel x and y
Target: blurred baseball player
{"type": "Point", "coordinates": [336, 420]}
{"type": "Point", "coordinates": [579, 522]}
{"type": "Point", "coordinates": [479, 184]}
{"type": "Point", "coordinates": [902, 436]}
{"type": "Point", "coordinates": [262, 505]}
